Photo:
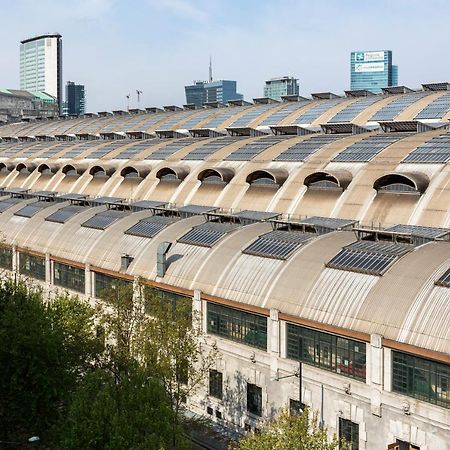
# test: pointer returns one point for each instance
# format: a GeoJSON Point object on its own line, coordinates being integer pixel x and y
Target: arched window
{"type": "Point", "coordinates": [396, 183]}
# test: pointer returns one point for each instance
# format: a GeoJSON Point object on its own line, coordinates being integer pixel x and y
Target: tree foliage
{"type": "Point", "coordinates": [290, 432]}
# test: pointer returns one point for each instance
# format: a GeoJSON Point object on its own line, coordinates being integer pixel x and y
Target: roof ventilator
{"type": "Point", "coordinates": [161, 258]}
{"type": "Point", "coordinates": [125, 261]}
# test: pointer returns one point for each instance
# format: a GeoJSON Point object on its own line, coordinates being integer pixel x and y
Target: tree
{"type": "Point", "coordinates": [45, 348]}
{"type": "Point", "coordinates": [290, 432]}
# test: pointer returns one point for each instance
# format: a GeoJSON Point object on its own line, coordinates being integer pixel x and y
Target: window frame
{"type": "Point", "coordinates": [254, 399]}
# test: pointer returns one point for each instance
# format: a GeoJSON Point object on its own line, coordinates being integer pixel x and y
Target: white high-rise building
{"type": "Point", "coordinates": [41, 65]}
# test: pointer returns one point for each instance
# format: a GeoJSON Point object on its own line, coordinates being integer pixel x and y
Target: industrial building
{"type": "Point", "coordinates": [309, 233]}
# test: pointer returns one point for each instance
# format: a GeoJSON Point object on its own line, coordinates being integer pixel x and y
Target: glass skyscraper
{"type": "Point", "coordinates": [221, 91]}
{"type": "Point", "coordinates": [372, 70]}
{"type": "Point", "coordinates": [275, 88]}
{"type": "Point", "coordinates": [41, 65]}
{"type": "Point", "coordinates": [75, 99]}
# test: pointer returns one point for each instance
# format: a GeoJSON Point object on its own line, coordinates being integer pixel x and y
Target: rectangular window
{"type": "Point", "coordinates": [327, 351]}
{"type": "Point", "coordinates": [295, 407]}
{"type": "Point", "coordinates": [254, 399]}
{"type": "Point", "coordinates": [349, 431]}
{"type": "Point", "coordinates": [215, 384]}
{"type": "Point", "coordinates": [421, 378]}
{"type": "Point", "coordinates": [104, 283]}
{"type": "Point", "coordinates": [33, 266]}
{"type": "Point", "coordinates": [237, 325]}
{"type": "Point", "coordinates": [6, 258]}
{"type": "Point", "coordinates": [70, 277]}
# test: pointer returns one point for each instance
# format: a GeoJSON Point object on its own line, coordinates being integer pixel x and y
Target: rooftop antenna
{"type": "Point", "coordinates": [128, 102]}
{"type": "Point", "coordinates": [138, 92]}
{"type": "Point", "coordinates": [210, 70]}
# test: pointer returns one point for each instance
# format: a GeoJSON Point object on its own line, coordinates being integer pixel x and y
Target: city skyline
{"type": "Point", "coordinates": [239, 38]}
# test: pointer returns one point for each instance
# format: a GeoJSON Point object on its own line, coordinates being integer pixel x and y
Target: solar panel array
{"type": "Point", "coordinates": [137, 148]}
{"type": "Point", "coordinates": [367, 148]}
{"type": "Point", "coordinates": [207, 149]}
{"type": "Point", "coordinates": [137, 119]}
{"type": "Point", "coordinates": [108, 148]}
{"type": "Point", "coordinates": [15, 148]}
{"type": "Point", "coordinates": [224, 114]}
{"type": "Point", "coordinates": [32, 150]}
{"type": "Point", "coordinates": [368, 257]}
{"type": "Point", "coordinates": [248, 216]}
{"type": "Point", "coordinates": [251, 115]}
{"type": "Point", "coordinates": [64, 214]}
{"type": "Point", "coordinates": [277, 244]}
{"type": "Point", "coordinates": [154, 118]}
{"type": "Point", "coordinates": [174, 118]}
{"type": "Point", "coordinates": [103, 220]}
{"type": "Point", "coordinates": [193, 121]}
{"type": "Point", "coordinates": [150, 226]}
{"type": "Point", "coordinates": [254, 148]}
{"type": "Point", "coordinates": [420, 231]}
{"type": "Point", "coordinates": [316, 111]}
{"type": "Point", "coordinates": [277, 116]}
{"type": "Point", "coordinates": [354, 109]}
{"type": "Point", "coordinates": [33, 208]}
{"type": "Point", "coordinates": [7, 203]}
{"type": "Point", "coordinates": [329, 223]}
{"type": "Point", "coordinates": [79, 149]}
{"type": "Point", "coordinates": [302, 150]}
{"type": "Point", "coordinates": [396, 106]}
{"type": "Point", "coordinates": [172, 147]}
{"type": "Point", "coordinates": [444, 280]}
{"type": "Point", "coordinates": [207, 234]}
{"type": "Point", "coordinates": [436, 150]}
{"type": "Point", "coordinates": [57, 148]}
{"type": "Point", "coordinates": [436, 109]}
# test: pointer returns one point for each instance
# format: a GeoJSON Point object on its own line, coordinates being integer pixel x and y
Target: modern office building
{"type": "Point", "coordinates": [372, 70]}
{"type": "Point", "coordinates": [221, 91]}
{"type": "Point", "coordinates": [326, 251]}
{"type": "Point", "coordinates": [275, 88]}
{"type": "Point", "coordinates": [75, 103]}
{"type": "Point", "coordinates": [41, 65]}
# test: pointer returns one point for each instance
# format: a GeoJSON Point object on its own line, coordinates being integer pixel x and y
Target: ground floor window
{"type": "Point", "coordinates": [33, 266]}
{"type": "Point", "coordinates": [215, 384]}
{"type": "Point", "coordinates": [70, 277]}
{"type": "Point", "coordinates": [349, 431]}
{"type": "Point", "coordinates": [6, 258]}
{"type": "Point", "coordinates": [254, 399]}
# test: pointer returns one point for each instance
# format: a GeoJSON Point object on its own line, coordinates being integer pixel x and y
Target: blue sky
{"type": "Point", "coordinates": [117, 46]}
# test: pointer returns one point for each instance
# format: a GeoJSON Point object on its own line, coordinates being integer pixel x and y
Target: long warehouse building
{"type": "Point", "coordinates": [309, 233]}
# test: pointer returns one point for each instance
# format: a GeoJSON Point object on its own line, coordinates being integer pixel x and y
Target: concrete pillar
{"type": "Point", "coordinates": [15, 259]}
{"type": "Point", "coordinates": [48, 269]}
{"type": "Point", "coordinates": [88, 283]}
{"type": "Point", "coordinates": [375, 373]}
{"type": "Point", "coordinates": [197, 309]}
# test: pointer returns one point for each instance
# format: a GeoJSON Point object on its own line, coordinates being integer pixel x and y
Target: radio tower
{"type": "Point", "coordinates": [210, 70]}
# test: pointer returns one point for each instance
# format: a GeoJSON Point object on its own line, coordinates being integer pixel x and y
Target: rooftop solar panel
{"type": "Point", "coordinates": [207, 234]}
{"type": "Point", "coordinates": [103, 220]}
{"type": "Point", "coordinates": [210, 147]}
{"type": "Point", "coordinates": [304, 149]}
{"type": "Point", "coordinates": [7, 203]}
{"type": "Point", "coordinates": [354, 109]}
{"type": "Point", "coordinates": [436, 150]}
{"type": "Point", "coordinates": [146, 204]}
{"type": "Point", "coordinates": [248, 216]}
{"type": "Point", "coordinates": [254, 148]}
{"type": "Point", "coordinates": [64, 214]}
{"type": "Point", "coordinates": [76, 151]}
{"type": "Point", "coordinates": [444, 280]}
{"type": "Point", "coordinates": [316, 111]}
{"type": "Point", "coordinates": [436, 109]}
{"type": "Point", "coordinates": [396, 106]}
{"type": "Point", "coordinates": [368, 147]}
{"type": "Point", "coordinates": [195, 120]}
{"type": "Point", "coordinates": [174, 119]}
{"type": "Point", "coordinates": [368, 257]}
{"type": "Point", "coordinates": [108, 148]}
{"type": "Point", "coordinates": [172, 146]}
{"type": "Point", "coordinates": [150, 226]}
{"type": "Point", "coordinates": [277, 116]}
{"type": "Point", "coordinates": [189, 210]}
{"type": "Point", "coordinates": [137, 148]}
{"type": "Point", "coordinates": [251, 114]}
{"type": "Point", "coordinates": [33, 208]}
{"type": "Point", "coordinates": [329, 222]}
{"type": "Point", "coordinates": [416, 230]}
{"type": "Point", "coordinates": [277, 244]}
{"type": "Point", "coordinates": [223, 115]}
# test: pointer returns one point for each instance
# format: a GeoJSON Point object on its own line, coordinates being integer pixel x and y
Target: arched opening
{"type": "Point", "coordinates": [4, 168]}
{"type": "Point", "coordinates": [325, 181]}
{"type": "Point", "coordinates": [175, 174]}
{"type": "Point", "coordinates": [25, 169]}
{"type": "Point", "coordinates": [99, 171]}
{"type": "Point", "coordinates": [45, 169]}
{"type": "Point", "coordinates": [70, 171]}
{"type": "Point", "coordinates": [396, 183]}
{"type": "Point", "coordinates": [262, 178]}
{"type": "Point", "coordinates": [130, 172]}
{"type": "Point", "coordinates": [215, 176]}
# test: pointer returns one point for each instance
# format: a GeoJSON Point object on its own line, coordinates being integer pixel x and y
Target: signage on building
{"type": "Point", "coordinates": [369, 56]}
{"type": "Point", "coordinates": [369, 67]}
